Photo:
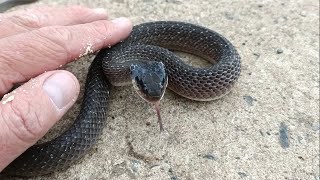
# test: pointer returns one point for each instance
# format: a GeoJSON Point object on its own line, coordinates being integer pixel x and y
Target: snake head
{"type": "Point", "coordinates": [149, 79]}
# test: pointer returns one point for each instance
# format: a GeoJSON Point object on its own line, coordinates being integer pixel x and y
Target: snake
{"type": "Point", "coordinates": [147, 60]}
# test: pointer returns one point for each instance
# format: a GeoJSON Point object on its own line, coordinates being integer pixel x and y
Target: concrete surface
{"type": "Point", "coordinates": [266, 128]}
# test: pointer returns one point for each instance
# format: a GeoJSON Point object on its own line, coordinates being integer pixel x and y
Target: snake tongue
{"type": "Point", "coordinates": [157, 106]}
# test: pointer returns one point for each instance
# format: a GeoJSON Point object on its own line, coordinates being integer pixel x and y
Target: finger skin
{"type": "Point", "coordinates": [26, 55]}
{"type": "Point", "coordinates": [26, 20]}
{"type": "Point", "coordinates": [27, 113]}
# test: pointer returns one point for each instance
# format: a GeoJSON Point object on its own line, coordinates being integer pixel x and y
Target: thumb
{"type": "Point", "coordinates": [28, 112]}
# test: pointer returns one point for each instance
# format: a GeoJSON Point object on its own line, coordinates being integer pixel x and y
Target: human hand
{"type": "Point", "coordinates": [33, 43]}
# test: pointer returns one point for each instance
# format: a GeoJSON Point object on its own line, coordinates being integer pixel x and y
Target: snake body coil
{"type": "Point", "coordinates": [146, 42]}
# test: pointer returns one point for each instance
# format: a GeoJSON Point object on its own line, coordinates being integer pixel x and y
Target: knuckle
{"type": "Point", "coordinates": [55, 38]}
{"type": "Point", "coordinates": [27, 20]}
{"type": "Point", "coordinates": [9, 75]}
{"type": "Point", "coordinates": [55, 33]}
{"type": "Point", "coordinates": [102, 29]}
{"type": "Point", "coordinates": [23, 121]}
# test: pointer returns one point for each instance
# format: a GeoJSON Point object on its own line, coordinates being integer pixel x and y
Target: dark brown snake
{"type": "Point", "coordinates": [146, 43]}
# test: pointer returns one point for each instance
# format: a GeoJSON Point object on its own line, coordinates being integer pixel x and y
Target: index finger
{"type": "Point", "coordinates": [27, 55]}
{"type": "Point", "coordinates": [30, 19]}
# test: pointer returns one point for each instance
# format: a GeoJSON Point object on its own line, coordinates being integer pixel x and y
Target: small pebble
{"type": "Point", "coordinates": [315, 126]}
{"type": "Point", "coordinates": [228, 16]}
{"type": "Point", "coordinates": [174, 1]}
{"type": "Point", "coordinates": [257, 55]}
{"type": "Point", "coordinates": [283, 135]}
{"type": "Point", "coordinates": [279, 51]}
{"type": "Point", "coordinates": [172, 175]}
{"type": "Point", "coordinates": [135, 164]}
{"type": "Point", "coordinates": [209, 156]}
{"type": "Point", "coordinates": [249, 100]}
{"type": "Point", "coordinates": [262, 134]}
{"type": "Point", "coordinates": [303, 13]}
{"type": "Point", "coordinates": [242, 174]}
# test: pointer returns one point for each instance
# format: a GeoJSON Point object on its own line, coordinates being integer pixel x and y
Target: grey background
{"type": "Point", "coordinates": [241, 136]}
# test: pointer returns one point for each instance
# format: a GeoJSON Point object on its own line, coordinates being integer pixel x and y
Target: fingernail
{"type": "Point", "coordinates": [100, 11]}
{"type": "Point", "coordinates": [61, 88]}
{"type": "Point", "coordinates": [122, 21]}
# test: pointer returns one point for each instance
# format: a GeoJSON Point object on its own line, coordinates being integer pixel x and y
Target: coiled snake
{"type": "Point", "coordinates": [130, 61]}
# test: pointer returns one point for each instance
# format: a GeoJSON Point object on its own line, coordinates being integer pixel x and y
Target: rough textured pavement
{"type": "Point", "coordinates": [266, 128]}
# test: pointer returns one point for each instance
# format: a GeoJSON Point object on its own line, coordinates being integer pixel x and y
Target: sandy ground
{"type": "Point", "coordinates": [266, 128]}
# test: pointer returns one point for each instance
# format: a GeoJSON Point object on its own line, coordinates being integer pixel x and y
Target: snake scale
{"type": "Point", "coordinates": [146, 42]}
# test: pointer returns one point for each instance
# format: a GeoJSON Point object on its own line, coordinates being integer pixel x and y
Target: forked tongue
{"type": "Point", "coordinates": [157, 105]}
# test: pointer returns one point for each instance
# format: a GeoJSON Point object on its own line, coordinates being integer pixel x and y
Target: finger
{"type": "Point", "coordinates": [27, 113]}
{"type": "Point", "coordinates": [25, 20]}
{"type": "Point", "coordinates": [26, 55]}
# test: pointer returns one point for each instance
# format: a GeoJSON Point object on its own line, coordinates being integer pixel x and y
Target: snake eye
{"type": "Point", "coordinates": [132, 68]}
